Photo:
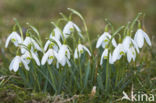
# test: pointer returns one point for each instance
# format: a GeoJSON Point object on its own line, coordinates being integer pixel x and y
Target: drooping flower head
{"type": "Point", "coordinates": [16, 63]}
{"type": "Point", "coordinates": [69, 28]}
{"type": "Point", "coordinates": [27, 56]}
{"type": "Point", "coordinates": [56, 33]}
{"type": "Point", "coordinates": [104, 40]}
{"type": "Point", "coordinates": [49, 56]}
{"type": "Point", "coordinates": [15, 38]}
{"type": "Point", "coordinates": [118, 52]}
{"type": "Point", "coordinates": [139, 37]}
{"type": "Point", "coordinates": [104, 56]}
{"type": "Point", "coordinates": [79, 50]}
{"type": "Point", "coordinates": [63, 55]}
{"type": "Point", "coordinates": [130, 46]}
{"type": "Point", "coordinates": [28, 42]}
{"type": "Point", "coordinates": [49, 42]}
{"type": "Point", "coordinates": [131, 54]}
{"type": "Point", "coordinates": [128, 42]}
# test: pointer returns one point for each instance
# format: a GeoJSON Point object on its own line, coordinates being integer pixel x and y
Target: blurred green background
{"type": "Point", "coordinates": [41, 12]}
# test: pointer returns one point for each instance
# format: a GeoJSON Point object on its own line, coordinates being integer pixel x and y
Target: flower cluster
{"type": "Point", "coordinates": [128, 46]}
{"type": "Point", "coordinates": [54, 49]}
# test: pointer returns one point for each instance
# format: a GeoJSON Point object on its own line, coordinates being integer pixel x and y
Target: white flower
{"type": "Point", "coordinates": [139, 38]}
{"type": "Point", "coordinates": [15, 38]}
{"type": "Point", "coordinates": [56, 33]}
{"type": "Point", "coordinates": [104, 56]}
{"type": "Point", "coordinates": [16, 63]}
{"type": "Point", "coordinates": [128, 42]}
{"type": "Point", "coordinates": [118, 52]}
{"type": "Point", "coordinates": [55, 47]}
{"type": "Point", "coordinates": [110, 59]}
{"type": "Point", "coordinates": [49, 56]}
{"type": "Point", "coordinates": [27, 56]}
{"type": "Point", "coordinates": [131, 54]}
{"type": "Point", "coordinates": [69, 28]}
{"type": "Point", "coordinates": [104, 40]}
{"type": "Point", "coordinates": [63, 55]}
{"type": "Point", "coordinates": [30, 41]}
{"type": "Point", "coordinates": [80, 49]}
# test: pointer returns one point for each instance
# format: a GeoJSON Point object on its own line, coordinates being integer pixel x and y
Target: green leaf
{"type": "Point", "coordinates": [87, 75]}
{"type": "Point", "coordinates": [33, 28]}
{"type": "Point", "coordinates": [99, 81]}
{"type": "Point", "coordinates": [76, 12]}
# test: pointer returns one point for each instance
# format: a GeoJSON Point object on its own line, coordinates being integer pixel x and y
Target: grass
{"type": "Point", "coordinates": [94, 13]}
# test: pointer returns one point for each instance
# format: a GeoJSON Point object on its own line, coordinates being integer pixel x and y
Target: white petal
{"type": "Point", "coordinates": [35, 58]}
{"type": "Point", "coordinates": [46, 45]}
{"type": "Point", "coordinates": [57, 64]}
{"type": "Point", "coordinates": [25, 65]}
{"type": "Point", "coordinates": [78, 30]}
{"type": "Point", "coordinates": [57, 41]}
{"type": "Point", "coordinates": [105, 53]}
{"type": "Point", "coordinates": [50, 61]}
{"type": "Point", "coordinates": [7, 41]}
{"type": "Point", "coordinates": [66, 29]}
{"type": "Point", "coordinates": [86, 49]}
{"type": "Point", "coordinates": [126, 43]}
{"type": "Point", "coordinates": [114, 42]}
{"type": "Point", "coordinates": [147, 38]}
{"type": "Point", "coordinates": [11, 64]}
{"type": "Point", "coordinates": [129, 55]}
{"type": "Point", "coordinates": [36, 44]}
{"type": "Point", "coordinates": [44, 58]}
{"type": "Point", "coordinates": [100, 40]}
{"type": "Point", "coordinates": [16, 63]}
{"type": "Point", "coordinates": [75, 54]}
{"type": "Point", "coordinates": [110, 59]}
{"type": "Point", "coordinates": [139, 38]}
{"type": "Point", "coordinates": [135, 45]}
{"type": "Point", "coordinates": [58, 33]}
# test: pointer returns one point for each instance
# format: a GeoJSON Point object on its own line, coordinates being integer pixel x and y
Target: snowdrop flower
{"type": "Point", "coordinates": [27, 56]}
{"type": "Point", "coordinates": [69, 28]}
{"type": "Point", "coordinates": [63, 55]}
{"type": "Point", "coordinates": [139, 38]}
{"type": "Point", "coordinates": [104, 56]}
{"type": "Point", "coordinates": [15, 38]}
{"type": "Point", "coordinates": [80, 49]}
{"type": "Point", "coordinates": [55, 47]}
{"type": "Point", "coordinates": [131, 54]}
{"type": "Point", "coordinates": [104, 40]}
{"type": "Point", "coordinates": [128, 42]}
{"type": "Point", "coordinates": [56, 33]}
{"type": "Point", "coordinates": [118, 52]}
{"type": "Point", "coordinates": [49, 56]}
{"type": "Point", "coordinates": [30, 41]}
{"type": "Point", "coordinates": [16, 63]}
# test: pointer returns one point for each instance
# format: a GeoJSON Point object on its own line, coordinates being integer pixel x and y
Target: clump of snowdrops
{"type": "Point", "coordinates": [69, 63]}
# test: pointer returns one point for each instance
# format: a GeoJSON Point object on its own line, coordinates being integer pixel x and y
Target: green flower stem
{"type": "Point", "coordinates": [134, 21]}
{"type": "Point", "coordinates": [80, 71]}
{"type": "Point", "coordinates": [52, 78]}
{"type": "Point", "coordinates": [85, 25]}
{"type": "Point", "coordinates": [107, 74]}
{"type": "Point", "coordinates": [19, 27]}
